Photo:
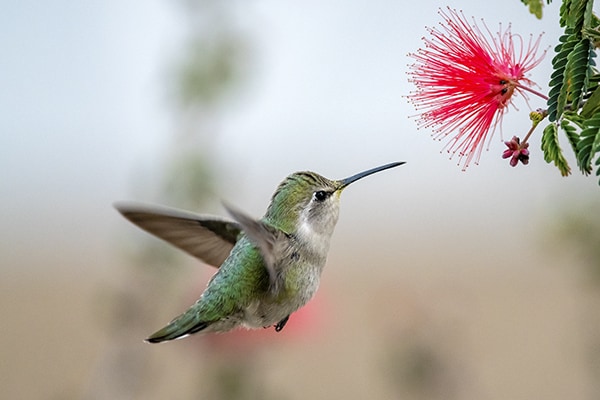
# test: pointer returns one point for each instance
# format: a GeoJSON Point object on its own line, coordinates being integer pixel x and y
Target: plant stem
{"type": "Point", "coordinates": [530, 90]}
{"type": "Point", "coordinates": [526, 138]}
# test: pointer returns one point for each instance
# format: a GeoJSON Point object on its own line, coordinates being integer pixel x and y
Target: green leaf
{"type": "Point", "coordinates": [535, 7]}
{"type": "Point", "coordinates": [593, 34]}
{"type": "Point", "coordinates": [570, 132]}
{"type": "Point", "coordinates": [564, 12]}
{"type": "Point", "coordinates": [559, 83]}
{"type": "Point", "coordinates": [589, 144]}
{"type": "Point", "coordinates": [592, 104]}
{"type": "Point", "coordinates": [576, 14]}
{"type": "Point", "coordinates": [576, 72]}
{"type": "Point", "coordinates": [552, 150]}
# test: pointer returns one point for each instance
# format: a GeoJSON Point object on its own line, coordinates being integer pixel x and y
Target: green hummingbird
{"type": "Point", "coordinates": [268, 268]}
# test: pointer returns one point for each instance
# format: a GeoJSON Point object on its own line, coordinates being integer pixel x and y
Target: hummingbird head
{"type": "Point", "coordinates": [310, 202]}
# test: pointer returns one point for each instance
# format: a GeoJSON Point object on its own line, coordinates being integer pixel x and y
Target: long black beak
{"type": "Point", "coordinates": [360, 175]}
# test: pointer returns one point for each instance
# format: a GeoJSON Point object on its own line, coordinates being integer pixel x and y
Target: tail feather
{"type": "Point", "coordinates": [181, 326]}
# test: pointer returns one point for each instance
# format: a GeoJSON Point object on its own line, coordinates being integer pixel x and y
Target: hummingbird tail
{"type": "Point", "coordinates": [180, 327]}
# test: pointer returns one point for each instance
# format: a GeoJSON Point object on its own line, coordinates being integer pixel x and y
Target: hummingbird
{"type": "Point", "coordinates": [268, 268]}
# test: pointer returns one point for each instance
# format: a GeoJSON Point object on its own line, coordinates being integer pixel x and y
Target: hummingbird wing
{"type": "Point", "coordinates": [205, 237]}
{"type": "Point", "coordinates": [267, 239]}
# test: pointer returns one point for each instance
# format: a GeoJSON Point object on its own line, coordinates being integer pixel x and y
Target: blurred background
{"type": "Point", "coordinates": [440, 283]}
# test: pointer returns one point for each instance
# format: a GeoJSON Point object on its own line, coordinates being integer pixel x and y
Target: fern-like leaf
{"type": "Point", "coordinates": [571, 132]}
{"type": "Point", "coordinates": [576, 73]}
{"type": "Point", "coordinates": [552, 150]}
{"type": "Point", "coordinates": [589, 144]}
{"type": "Point", "coordinates": [575, 13]}
{"type": "Point", "coordinates": [559, 83]}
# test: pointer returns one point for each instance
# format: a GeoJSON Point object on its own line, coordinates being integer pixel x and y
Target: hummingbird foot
{"type": "Point", "coordinates": [279, 326]}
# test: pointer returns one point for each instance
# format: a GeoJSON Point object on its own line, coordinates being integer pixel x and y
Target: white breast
{"type": "Point", "coordinates": [316, 242]}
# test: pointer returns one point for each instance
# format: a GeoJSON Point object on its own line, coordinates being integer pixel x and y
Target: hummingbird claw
{"type": "Point", "coordinates": [279, 326]}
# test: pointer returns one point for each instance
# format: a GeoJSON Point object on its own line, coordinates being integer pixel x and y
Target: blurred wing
{"type": "Point", "coordinates": [266, 238]}
{"type": "Point", "coordinates": [205, 237]}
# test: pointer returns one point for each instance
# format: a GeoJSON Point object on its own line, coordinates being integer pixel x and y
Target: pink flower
{"type": "Point", "coordinates": [465, 79]}
{"type": "Point", "coordinates": [516, 151]}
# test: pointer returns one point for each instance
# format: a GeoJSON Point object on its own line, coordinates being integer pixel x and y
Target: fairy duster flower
{"type": "Point", "coordinates": [465, 78]}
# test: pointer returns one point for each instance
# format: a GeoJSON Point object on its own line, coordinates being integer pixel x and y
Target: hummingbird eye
{"type": "Point", "coordinates": [321, 195]}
